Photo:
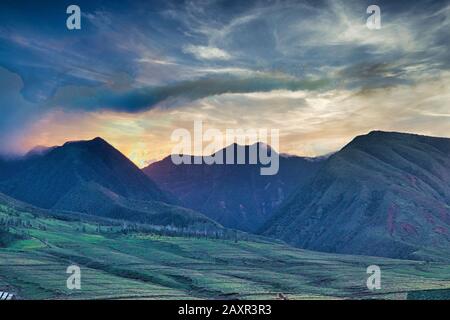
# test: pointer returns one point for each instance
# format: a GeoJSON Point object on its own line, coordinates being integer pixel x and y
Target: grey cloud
{"type": "Point", "coordinates": [142, 99]}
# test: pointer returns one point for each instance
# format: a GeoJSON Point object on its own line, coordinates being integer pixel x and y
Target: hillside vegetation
{"type": "Point", "coordinates": [120, 261]}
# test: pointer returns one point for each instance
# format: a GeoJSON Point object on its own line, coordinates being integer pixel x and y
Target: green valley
{"type": "Point", "coordinates": [118, 263]}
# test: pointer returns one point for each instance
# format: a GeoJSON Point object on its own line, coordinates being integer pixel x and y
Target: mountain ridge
{"type": "Point", "coordinates": [235, 195]}
{"type": "Point", "coordinates": [384, 194]}
{"type": "Point", "coordinates": [92, 177]}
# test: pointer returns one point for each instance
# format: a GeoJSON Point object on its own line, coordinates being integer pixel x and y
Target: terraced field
{"type": "Point", "coordinates": [149, 266]}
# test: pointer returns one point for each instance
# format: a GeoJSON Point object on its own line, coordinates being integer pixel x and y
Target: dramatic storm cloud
{"type": "Point", "coordinates": [143, 99]}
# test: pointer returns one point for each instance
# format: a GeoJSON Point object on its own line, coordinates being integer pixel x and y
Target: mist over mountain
{"type": "Point", "coordinates": [384, 194]}
{"type": "Point", "coordinates": [235, 195]}
{"type": "Point", "coordinates": [39, 151]}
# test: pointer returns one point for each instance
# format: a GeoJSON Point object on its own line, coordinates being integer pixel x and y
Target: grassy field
{"type": "Point", "coordinates": [149, 266]}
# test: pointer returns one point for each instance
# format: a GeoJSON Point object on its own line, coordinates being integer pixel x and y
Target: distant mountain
{"type": "Point", "coordinates": [384, 194]}
{"type": "Point", "coordinates": [235, 195]}
{"type": "Point", "coordinates": [91, 177]}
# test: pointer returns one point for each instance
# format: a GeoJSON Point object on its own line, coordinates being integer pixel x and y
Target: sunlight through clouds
{"type": "Point", "coordinates": [317, 73]}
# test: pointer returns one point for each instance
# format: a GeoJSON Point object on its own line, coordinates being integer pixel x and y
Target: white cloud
{"type": "Point", "coordinates": [156, 61]}
{"type": "Point", "coordinates": [207, 53]}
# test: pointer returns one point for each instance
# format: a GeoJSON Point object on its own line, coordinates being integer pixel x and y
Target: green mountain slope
{"type": "Point", "coordinates": [143, 264]}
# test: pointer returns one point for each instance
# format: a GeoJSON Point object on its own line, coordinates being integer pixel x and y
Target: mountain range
{"type": "Point", "coordinates": [384, 194]}
{"type": "Point", "coordinates": [235, 195]}
{"type": "Point", "coordinates": [92, 177]}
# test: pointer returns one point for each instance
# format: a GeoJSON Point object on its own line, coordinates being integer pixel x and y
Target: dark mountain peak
{"type": "Point", "coordinates": [385, 133]}
{"type": "Point", "coordinates": [236, 195]}
{"type": "Point", "coordinates": [95, 145]}
{"type": "Point", "coordinates": [232, 148]}
{"type": "Point", "coordinates": [395, 135]}
{"type": "Point", "coordinates": [99, 139]}
{"type": "Point", "coordinates": [377, 136]}
{"type": "Point", "coordinates": [74, 165]}
{"type": "Point", "coordinates": [99, 142]}
{"type": "Point", "coordinates": [258, 144]}
{"type": "Point", "coordinates": [235, 147]}
{"type": "Point", "coordinates": [97, 148]}
{"type": "Point", "coordinates": [93, 142]}
{"type": "Point", "coordinates": [386, 141]}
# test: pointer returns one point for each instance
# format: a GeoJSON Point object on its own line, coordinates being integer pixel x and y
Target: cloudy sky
{"type": "Point", "coordinates": [138, 70]}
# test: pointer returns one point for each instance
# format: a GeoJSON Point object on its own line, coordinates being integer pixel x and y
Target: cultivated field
{"type": "Point", "coordinates": [138, 265]}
